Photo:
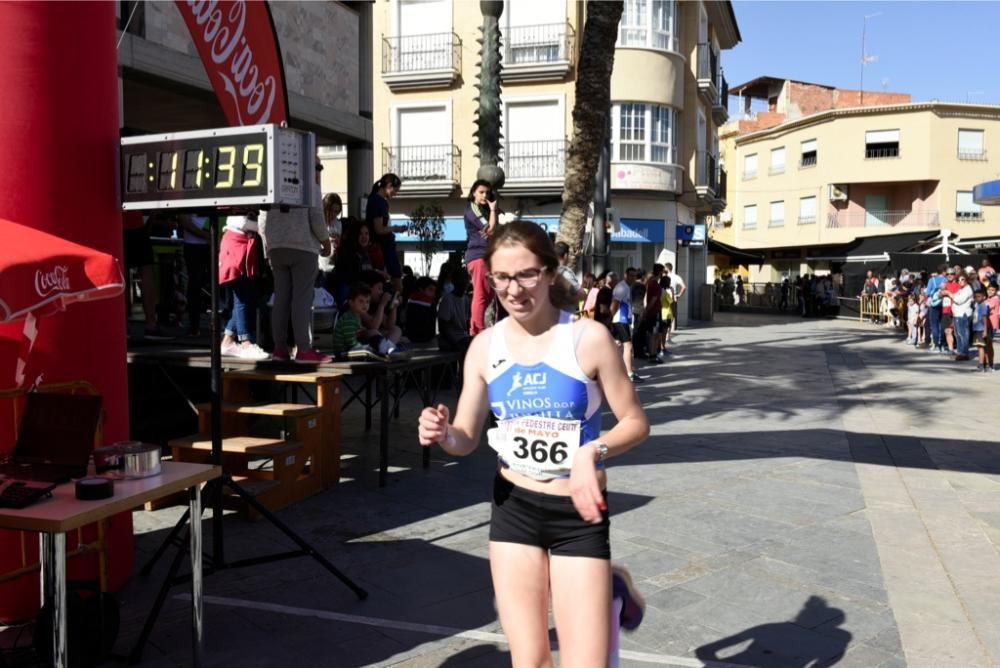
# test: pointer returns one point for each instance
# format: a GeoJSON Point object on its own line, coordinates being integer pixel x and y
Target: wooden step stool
{"type": "Point", "coordinates": [293, 474]}
{"type": "Point", "coordinates": [326, 459]}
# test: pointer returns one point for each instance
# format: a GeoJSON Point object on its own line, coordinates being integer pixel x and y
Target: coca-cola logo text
{"type": "Point", "coordinates": [47, 282]}
{"type": "Point", "coordinates": [223, 34]}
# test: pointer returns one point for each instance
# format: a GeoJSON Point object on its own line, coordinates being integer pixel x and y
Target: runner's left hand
{"type": "Point", "coordinates": [584, 487]}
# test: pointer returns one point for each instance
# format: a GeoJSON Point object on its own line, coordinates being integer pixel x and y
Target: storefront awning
{"type": "Point", "coordinates": [871, 249]}
{"type": "Point", "coordinates": [746, 257]}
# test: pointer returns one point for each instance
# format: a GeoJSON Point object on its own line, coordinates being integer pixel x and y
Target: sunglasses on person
{"type": "Point", "coordinates": [526, 278]}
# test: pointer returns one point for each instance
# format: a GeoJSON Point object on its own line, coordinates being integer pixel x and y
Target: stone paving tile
{"type": "Point", "coordinates": [744, 504]}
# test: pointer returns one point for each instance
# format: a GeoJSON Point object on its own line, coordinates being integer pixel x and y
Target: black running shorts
{"type": "Point", "coordinates": [547, 521]}
{"type": "Point", "coordinates": [621, 332]}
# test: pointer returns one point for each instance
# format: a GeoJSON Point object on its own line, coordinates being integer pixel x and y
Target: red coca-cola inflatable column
{"type": "Point", "coordinates": [59, 173]}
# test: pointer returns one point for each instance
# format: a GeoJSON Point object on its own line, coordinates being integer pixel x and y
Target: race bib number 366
{"type": "Point", "coordinates": [537, 447]}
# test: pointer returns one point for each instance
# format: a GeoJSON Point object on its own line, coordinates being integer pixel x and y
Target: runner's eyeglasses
{"type": "Point", "coordinates": [526, 279]}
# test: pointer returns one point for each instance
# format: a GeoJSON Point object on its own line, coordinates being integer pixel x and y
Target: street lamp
{"type": "Point", "coordinates": [865, 58]}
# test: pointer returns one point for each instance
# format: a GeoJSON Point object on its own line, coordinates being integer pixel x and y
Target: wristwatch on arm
{"type": "Point", "coordinates": [602, 450]}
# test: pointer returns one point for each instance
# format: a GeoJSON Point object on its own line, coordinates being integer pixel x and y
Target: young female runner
{"type": "Point", "coordinates": [545, 376]}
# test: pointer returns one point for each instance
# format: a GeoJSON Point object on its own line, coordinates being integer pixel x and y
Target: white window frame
{"type": "Point", "coordinates": [771, 220]}
{"type": "Point", "coordinates": [972, 155]}
{"type": "Point", "coordinates": [646, 143]}
{"type": "Point", "coordinates": [395, 9]}
{"type": "Point", "coordinates": [806, 219]}
{"type": "Point", "coordinates": [803, 151]}
{"type": "Point", "coordinates": [749, 225]}
{"type": "Point", "coordinates": [970, 210]}
{"type": "Point", "coordinates": [883, 137]}
{"type": "Point", "coordinates": [559, 99]}
{"type": "Point", "coordinates": [648, 36]}
{"type": "Point", "coordinates": [394, 123]}
{"type": "Point", "coordinates": [772, 168]}
{"type": "Point", "coordinates": [747, 174]}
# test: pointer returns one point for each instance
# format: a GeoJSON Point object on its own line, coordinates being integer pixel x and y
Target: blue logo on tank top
{"type": "Point", "coordinates": [549, 393]}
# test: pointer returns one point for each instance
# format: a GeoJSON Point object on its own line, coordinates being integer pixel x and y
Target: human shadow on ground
{"type": "Point", "coordinates": [791, 644]}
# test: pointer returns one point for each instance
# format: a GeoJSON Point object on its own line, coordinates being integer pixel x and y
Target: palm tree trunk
{"type": "Point", "coordinates": [590, 118]}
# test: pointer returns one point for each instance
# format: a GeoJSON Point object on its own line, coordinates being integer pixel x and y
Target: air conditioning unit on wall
{"type": "Point", "coordinates": [838, 192]}
{"type": "Point", "coordinates": [726, 217]}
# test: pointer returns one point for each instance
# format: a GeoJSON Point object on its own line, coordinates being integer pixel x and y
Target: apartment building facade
{"type": "Point", "coordinates": [803, 189]}
{"type": "Point", "coordinates": [668, 96]}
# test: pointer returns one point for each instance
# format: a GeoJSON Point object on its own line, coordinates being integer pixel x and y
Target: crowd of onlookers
{"type": "Point", "coordinates": [952, 310]}
{"type": "Point", "coordinates": [307, 260]}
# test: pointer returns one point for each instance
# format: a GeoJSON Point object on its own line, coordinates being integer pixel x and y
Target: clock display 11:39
{"type": "Point", "coordinates": [213, 168]}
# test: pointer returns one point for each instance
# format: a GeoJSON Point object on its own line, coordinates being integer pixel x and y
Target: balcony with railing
{"type": "Point", "coordinates": [706, 175]}
{"type": "Point", "coordinates": [534, 167]}
{"type": "Point", "coordinates": [708, 73]}
{"type": "Point", "coordinates": [927, 219]}
{"type": "Point", "coordinates": [720, 108]}
{"type": "Point", "coordinates": [720, 192]}
{"type": "Point", "coordinates": [421, 61]}
{"type": "Point", "coordinates": [424, 170]}
{"type": "Point", "coordinates": [538, 52]}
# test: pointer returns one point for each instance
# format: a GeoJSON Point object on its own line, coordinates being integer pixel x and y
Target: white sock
{"type": "Point", "coordinates": [616, 611]}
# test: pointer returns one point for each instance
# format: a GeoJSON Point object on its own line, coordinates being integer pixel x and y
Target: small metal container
{"type": "Point", "coordinates": [127, 460]}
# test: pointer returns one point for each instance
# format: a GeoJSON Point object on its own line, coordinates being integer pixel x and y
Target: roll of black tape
{"type": "Point", "coordinates": [94, 489]}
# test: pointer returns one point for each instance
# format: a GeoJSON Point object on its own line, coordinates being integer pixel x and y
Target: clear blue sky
{"type": "Point", "coordinates": [944, 50]}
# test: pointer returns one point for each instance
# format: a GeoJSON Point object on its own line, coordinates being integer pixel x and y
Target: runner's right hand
{"type": "Point", "coordinates": [433, 425]}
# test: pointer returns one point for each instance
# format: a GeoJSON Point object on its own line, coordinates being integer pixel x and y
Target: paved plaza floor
{"type": "Point", "coordinates": [813, 493]}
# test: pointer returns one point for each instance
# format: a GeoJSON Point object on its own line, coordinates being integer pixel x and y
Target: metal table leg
{"type": "Point", "coordinates": [197, 630]}
{"type": "Point", "coordinates": [383, 429]}
{"type": "Point", "coordinates": [53, 547]}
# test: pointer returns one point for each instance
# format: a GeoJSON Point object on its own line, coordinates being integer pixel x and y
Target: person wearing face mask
{"type": "Point", "coordinates": [542, 370]}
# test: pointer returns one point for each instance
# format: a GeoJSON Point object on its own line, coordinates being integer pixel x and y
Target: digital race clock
{"type": "Point", "coordinates": [251, 165]}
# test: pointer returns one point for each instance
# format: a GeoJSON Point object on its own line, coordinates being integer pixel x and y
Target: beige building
{"type": "Point", "coordinates": [803, 189]}
{"type": "Point", "coordinates": [668, 97]}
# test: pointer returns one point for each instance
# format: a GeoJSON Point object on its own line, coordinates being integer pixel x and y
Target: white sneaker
{"type": "Point", "coordinates": [231, 350]}
{"type": "Point", "coordinates": [252, 352]}
{"type": "Point", "coordinates": [386, 347]}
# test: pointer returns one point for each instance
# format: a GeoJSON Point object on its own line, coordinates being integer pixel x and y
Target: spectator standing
{"type": "Point", "coordinates": [195, 235]}
{"type": "Point", "coordinates": [332, 208]}
{"type": "Point", "coordinates": [947, 319]}
{"type": "Point", "coordinates": [421, 313]}
{"type": "Point", "coordinates": [993, 301]}
{"type": "Point", "coordinates": [605, 296]}
{"type": "Point", "coordinates": [587, 286]}
{"type": "Point", "coordinates": [377, 216]}
{"type": "Point", "coordinates": [621, 320]}
{"type": "Point", "coordinates": [961, 308]}
{"type": "Point", "coordinates": [480, 223]}
{"type": "Point", "coordinates": [934, 313]}
{"type": "Point", "coordinates": [987, 274]}
{"type": "Point", "coordinates": [566, 271]}
{"type": "Point", "coordinates": [666, 315]}
{"type": "Point", "coordinates": [293, 240]}
{"type": "Point", "coordinates": [678, 286]}
{"type": "Point", "coordinates": [138, 251]}
{"type": "Point", "coordinates": [981, 338]}
{"type": "Point", "coordinates": [651, 314]}
{"type": "Point", "coordinates": [238, 271]}
{"type": "Point", "coordinates": [453, 314]}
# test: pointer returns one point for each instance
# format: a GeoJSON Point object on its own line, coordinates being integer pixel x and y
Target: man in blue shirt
{"type": "Point", "coordinates": [934, 285]}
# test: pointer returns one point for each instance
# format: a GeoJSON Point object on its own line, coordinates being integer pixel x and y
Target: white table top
{"type": "Point", "coordinates": [64, 512]}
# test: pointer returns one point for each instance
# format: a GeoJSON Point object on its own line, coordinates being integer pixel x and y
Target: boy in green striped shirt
{"type": "Point", "coordinates": [345, 334]}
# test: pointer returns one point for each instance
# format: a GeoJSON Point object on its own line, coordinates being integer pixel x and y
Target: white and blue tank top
{"type": "Point", "coordinates": [555, 388]}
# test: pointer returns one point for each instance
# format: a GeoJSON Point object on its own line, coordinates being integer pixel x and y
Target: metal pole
{"type": "Point", "coordinates": [53, 546]}
{"type": "Point", "coordinates": [196, 575]}
{"type": "Point", "coordinates": [218, 548]}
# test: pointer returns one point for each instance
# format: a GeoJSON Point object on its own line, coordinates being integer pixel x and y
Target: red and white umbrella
{"type": "Point", "coordinates": [41, 274]}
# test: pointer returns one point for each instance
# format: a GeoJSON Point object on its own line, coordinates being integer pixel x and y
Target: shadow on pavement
{"type": "Point", "coordinates": [786, 644]}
